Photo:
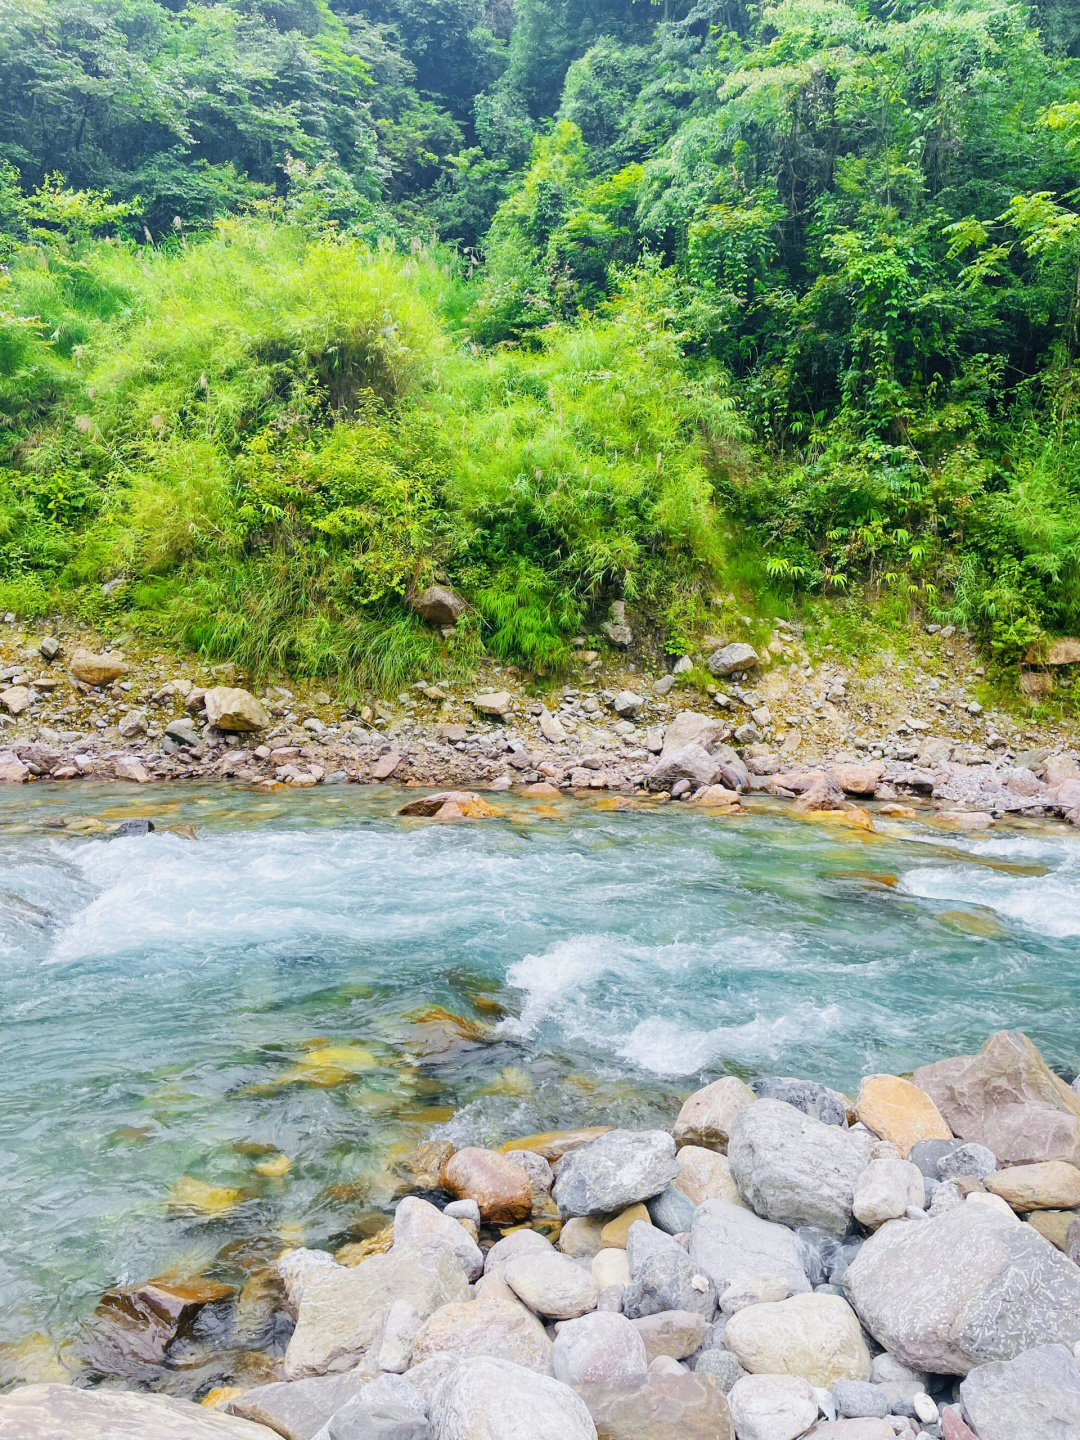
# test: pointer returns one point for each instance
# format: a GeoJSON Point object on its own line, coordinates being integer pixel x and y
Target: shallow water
{"type": "Point", "coordinates": [310, 976]}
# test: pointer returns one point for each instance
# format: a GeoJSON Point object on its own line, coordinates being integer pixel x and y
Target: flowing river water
{"type": "Point", "coordinates": [304, 975]}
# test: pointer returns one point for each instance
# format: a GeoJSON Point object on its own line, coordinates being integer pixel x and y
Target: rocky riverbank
{"type": "Point", "coordinates": [784, 1261]}
{"type": "Point", "coordinates": [767, 721]}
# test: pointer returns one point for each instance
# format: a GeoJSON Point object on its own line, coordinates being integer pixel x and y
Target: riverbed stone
{"type": "Point", "coordinates": [816, 1336]}
{"type": "Point", "coordinates": [615, 1170]}
{"type": "Point", "coordinates": [598, 1349]}
{"type": "Point", "coordinates": [610, 1267]}
{"type": "Point", "coordinates": [667, 1279]}
{"type": "Point", "coordinates": [963, 1288]}
{"type": "Point", "coordinates": [341, 1311]}
{"type": "Point", "coordinates": [708, 1114]}
{"type": "Point", "coordinates": [488, 1325]}
{"type": "Point", "coordinates": [502, 1189]}
{"type": "Point", "coordinates": [296, 1409]}
{"type": "Point", "coordinates": [672, 1210]}
{"type": "Point", "coordinates": [729, 1242]}
{"type": "Point", "coordinates": [794, 1169]}
{"type": "Point", "coordinates": [853, 1429]}
{"type": "Point", "coordinates": [385, 1420]}
{"type": "Point", "coordinates": [416, 1222]}
{"type": "Point", "coordinates": [899, 1111]}
{"type": "Point", "coordinates": [96, 669]}
{"type": "Point", "coordinates": [659, 1406]}
{"type": "Point", "coordinates": [1034, 1396]}
{"type": "Point", "coordinates": [690, 763]}
{"type": "Point", "coordinates": [230, 708]}
{"type": "Point", "coordinates": [705, 1174]}
{"type": "Point", "coordinates": [1007, 1098]}
{"type": "Point", "coordinates": [967, 1159]}
{"type": "Point", "coordinates": [1054, 1225]}
{"type": "Point", "coordinates": [515, 1243]}
{"type": "Point", "coordinates": [817, 1101]}
{"type": "Point", "coordinates": [772, 1407]}
{"type": "Point", "coordinates": [551, 1284]}
{"type": "Point", "coordinates": [491, 1399]}
{"type": "Point", "coordinates": [859, 1399]}
{"type": "Point", "coordinates": [1053, 1185]}
{"type": "Point", "coordinates": [580, 1236]}
{"type": "Point", "coordinates": [886, 1190]}
{"type": "Point", "coordinates": [62, 1412]}
{"type": "Point", "coordinates": [613, 1235]}
{"type": "Point", "coordinates": [677, 1333]}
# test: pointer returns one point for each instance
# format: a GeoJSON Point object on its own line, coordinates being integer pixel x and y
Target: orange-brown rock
{"type": "Point", "coordinates": [899, 1111]}
{"type": "Point", "coordinates": [450, 805]}
{"type": "Point", "coordinates": [554, 1144]}
{"type": "Point", "coordinates": [1052, 1185]}
{"type": "Point", "coordinates": [94, 669]}
{"type": "Point", "coordinates": [501, 1189]}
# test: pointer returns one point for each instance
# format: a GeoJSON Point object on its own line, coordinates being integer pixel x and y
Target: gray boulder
{"type": "Point", "coordinates": [963, 1288]}
{"type": "Point", "coordinates": [617, 1169]}
{"type": "Point", "coordinates": [296, 1409]}
{"type": "Point", "coordinates": [598, 1349]}
{"type": "Point", "coordinates": [387, 1420]}
{"type": "Point", "coordinates": [794, 1169]}
{"type": "Point", "coordinates": [815, 1100]}
{"type": "Point", "coordinates": [342, 1310]}
{"type": "Point", "coordinates": [690, 763]}
{"type": "Point", "coordinates": [486, 1399]}
{"type": "Point", "coordinates": [1035, 1396]}
{"type": "Point", "coordinates": [732, 657]}
{"type": "Point", "coordinates": [729, 1243]}
{"type": "Point", "coordinates": [967, 1159]}
{"type": "Point", "coordinates": [671, 1211]}
{"type": "Point", "coordinates": [667, 1279]}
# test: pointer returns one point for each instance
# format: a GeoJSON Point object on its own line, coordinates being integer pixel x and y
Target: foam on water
{"type": "Point", "coordinates": [158, 994]}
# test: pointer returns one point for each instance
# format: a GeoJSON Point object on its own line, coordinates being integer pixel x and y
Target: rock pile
{"type": "Point", "coordinates": [785, 1264]}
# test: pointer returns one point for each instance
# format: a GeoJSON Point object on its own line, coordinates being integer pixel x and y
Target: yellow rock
{"type": "Point", "coordinates": [221, 1395]}
{"type": "Point", "coordinates": [899, 1111]}
{"type": "Point", "coordinates": [191, 1194]}
{"type": "Point", "coordinates": [1054, 1225]}
{"type": "Point", "coordinates": [275, 1167]}
{"type": "Point", "coordinates": [1048, 1185]}
{"type": "Point", "coordinates": [328, 1065]}
{"type": "Point", "coordinates": [376, 1244]}
{"type": "Point", "coordinates": [613, 1235]}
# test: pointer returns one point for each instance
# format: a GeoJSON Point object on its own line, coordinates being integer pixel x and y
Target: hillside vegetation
{"type": "Point", "coordinates": [304, 305]}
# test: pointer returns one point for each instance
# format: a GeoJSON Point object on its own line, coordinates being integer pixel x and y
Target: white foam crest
{"type": "Point", "coordinates": [552, 979]}
{"type": "Point", "coordinates": [1045, 904]}
{"type": "Point", "coordinates": [670, 1047]}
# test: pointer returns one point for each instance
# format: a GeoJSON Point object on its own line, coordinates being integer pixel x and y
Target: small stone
{"type": "Point", "coordinates": [580, 1236]}
{"type": "Point", "coordinates": [707, 1115]}
{"type": "Point", "coordinates": [886, 1190]}
{"type": "Point", "coordinates": [598, 1348]}
{"type": "Point", "coordinates": [614, 1232]}
{"type": "Point", "coordinates": [705, 1175]}
{"type": "Point", "coordinates": [552, 1285]}
{"type": "Point", "coordinates": [626, 703]}
{"type": "Point", "coordinates": [772, 1407]}
{"type": "Point", "coordinates": [490, 1399]}
{"type": "Point", "coordinates": [494, 703]}
{"type": "Point", "coordinates": [15, 699]}
{"type": "Point", "coordinates": [722, 1368]}
{"type": "Point", "coordinates": [133, 723]}
{"type": "Point", "coordinates": [232, 709]}
{"type": "Point", "coordinates": [807, 1096]}
{"type": "Point", "coordinates": [49, 649]}
{"type": "Point", "coordinates": [858, 1400]}
{"type": "Point", "coordinates": [729, 1243]}
{"type": "Point", "coordinates": [490, 1324]}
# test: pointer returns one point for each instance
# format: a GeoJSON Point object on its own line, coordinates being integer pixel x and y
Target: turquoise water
{"type": "Point", "coordinates": [312, 977]}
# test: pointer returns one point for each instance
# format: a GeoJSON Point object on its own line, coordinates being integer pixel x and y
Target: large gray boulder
{"type": "Point", "coordinates": [1035, 1396]}
{"type": "Point", "coordinates": [296, 1409]}
{"type": "Point", "coordinates": [342, 1310]}
{"type": "Point", "coordinates": [963, 1288]}
{"type": "Point", "coordinates": [1008, 1099]}
{"type": "Point", "coordinates": [487, 1399]}
{"type": "Point", "coordinates": [691, 763]}
{"type": "Point", "coordinates": [617, 1169]}
{"type": "Point", "coordinates": [417, 1222]}
{"type": "Point", "coordinates": [730, 1243]}
{"type": "Point", "coordinates": [61, 1412]}
{"type": "Point", "coordinates": [794, 1169]}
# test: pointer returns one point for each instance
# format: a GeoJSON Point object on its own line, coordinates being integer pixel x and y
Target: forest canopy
{"type": "Point", "coordinates": [307, 302]}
